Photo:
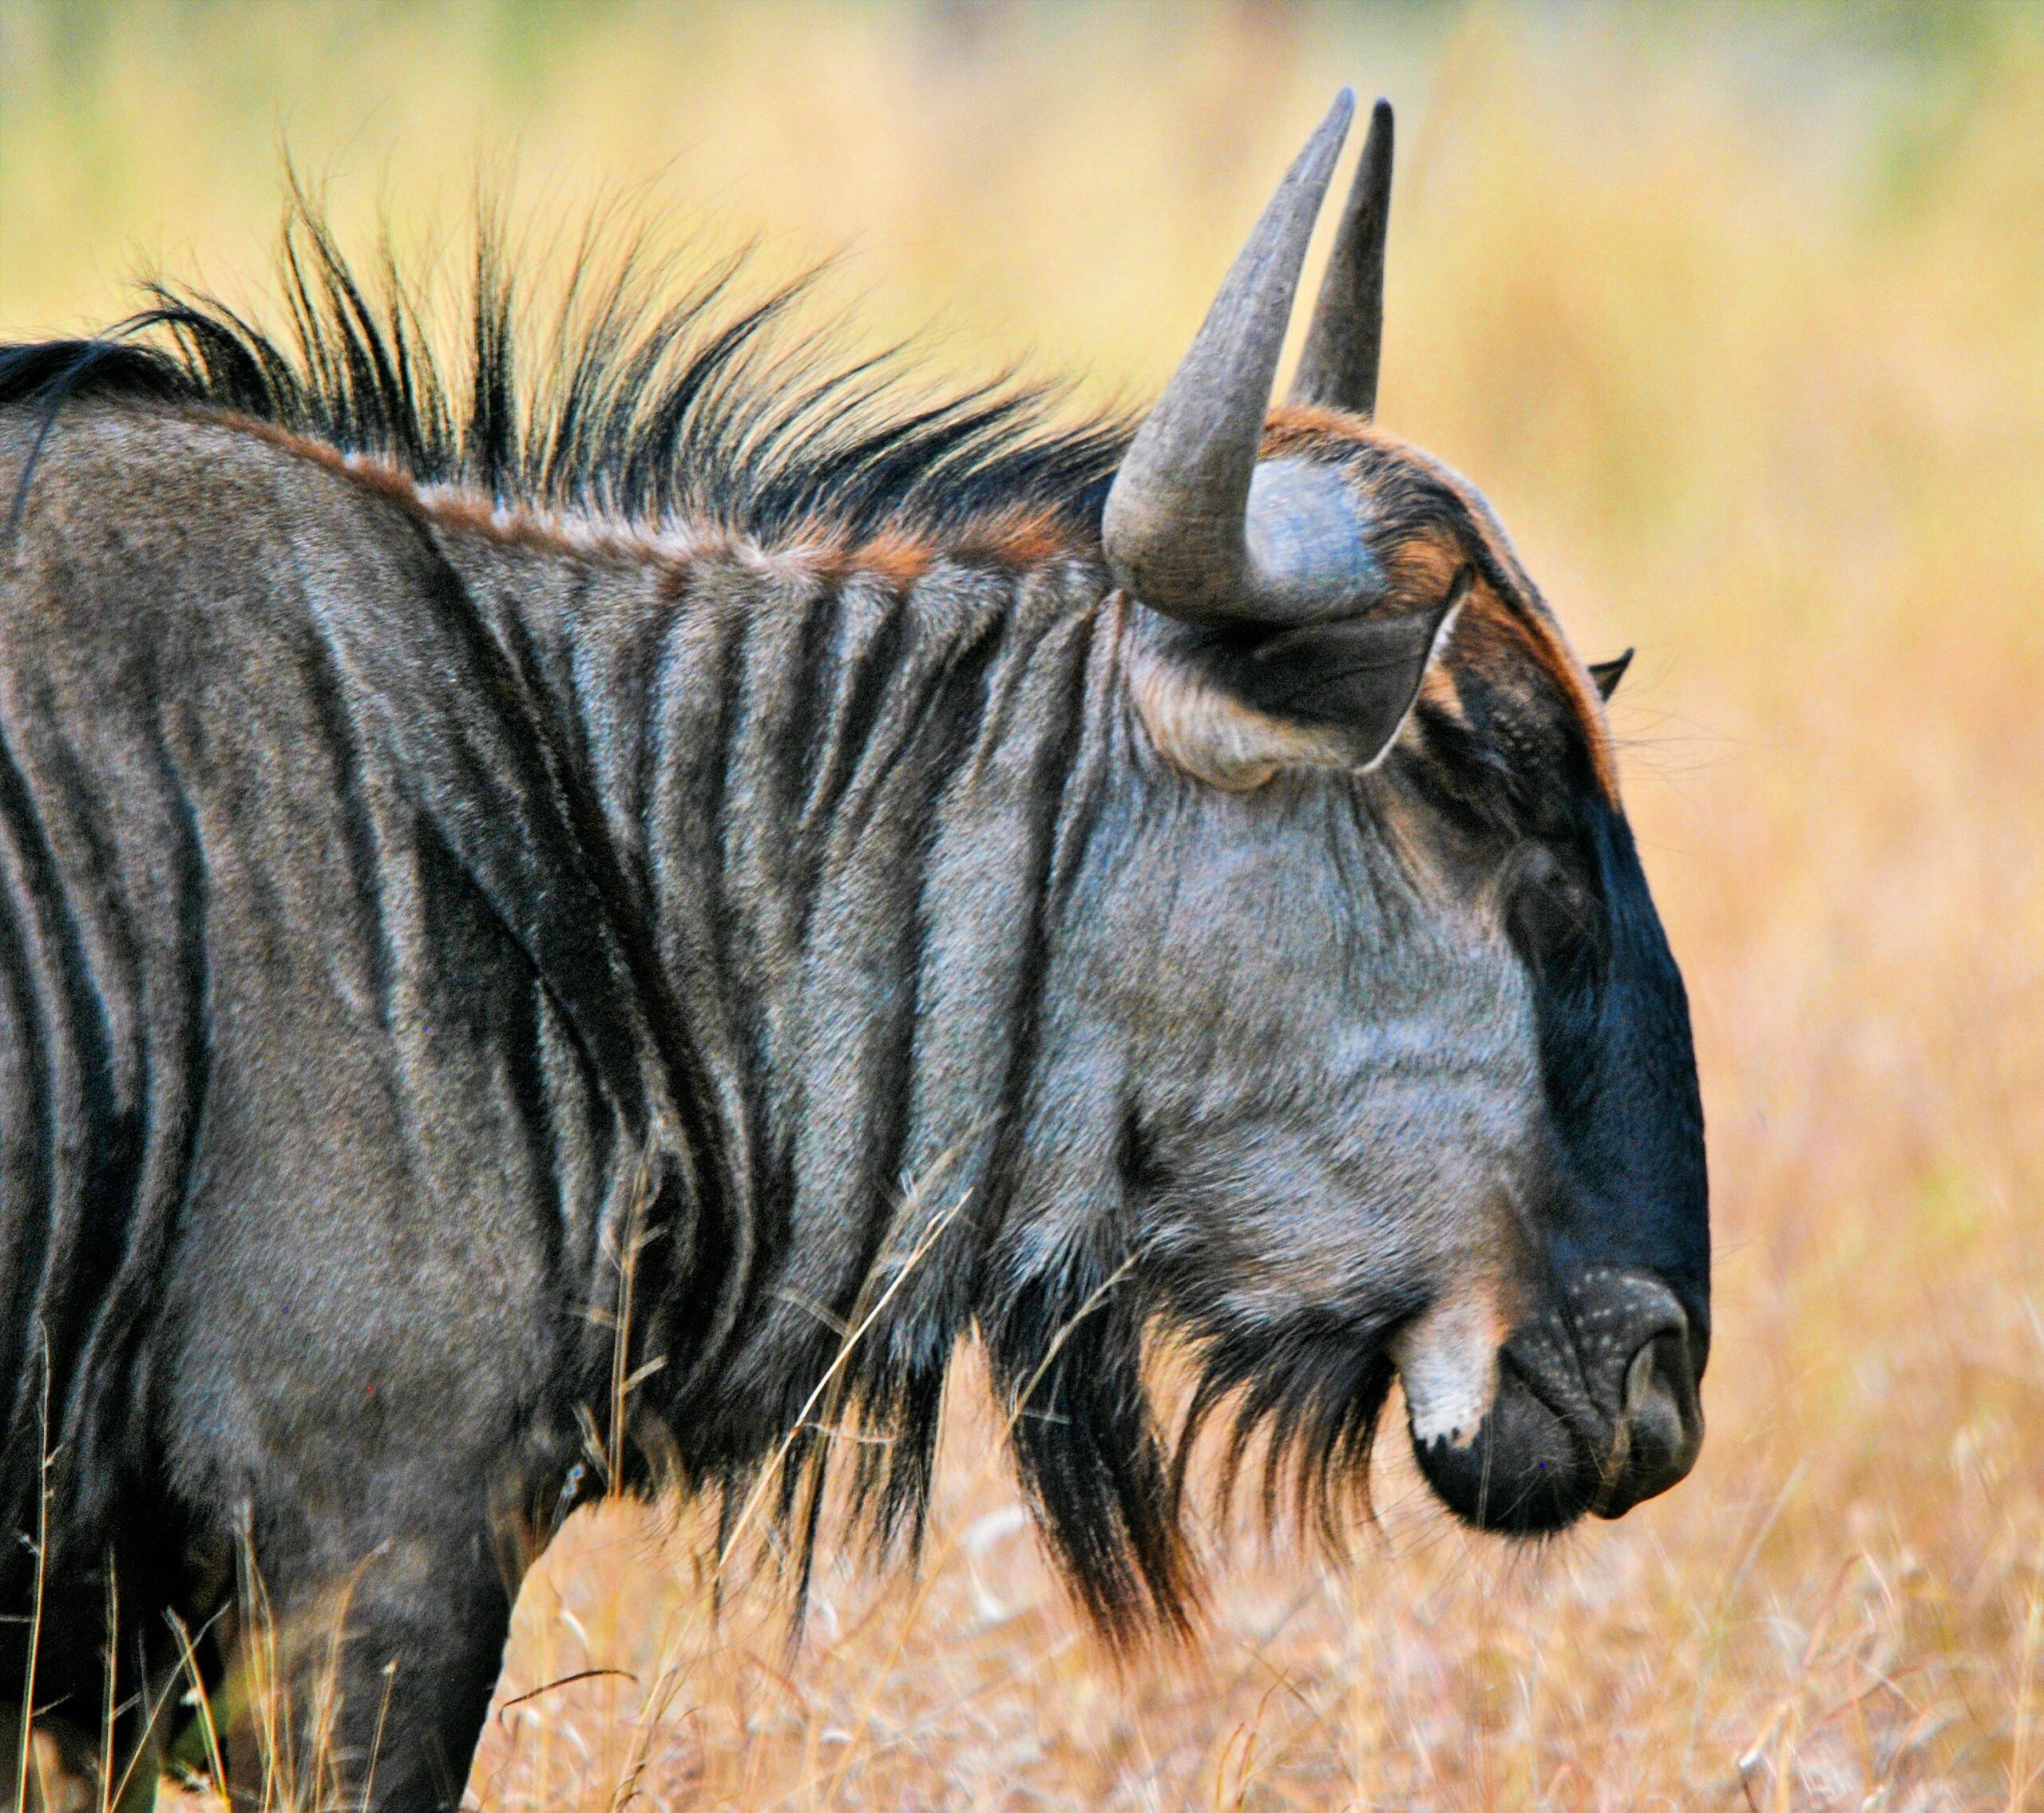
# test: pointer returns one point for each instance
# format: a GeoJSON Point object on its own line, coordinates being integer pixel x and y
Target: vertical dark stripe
{"type": "Point", "coordinates": [90, 1148]}
{"type": "Point", "coordinates": [173, 1005]}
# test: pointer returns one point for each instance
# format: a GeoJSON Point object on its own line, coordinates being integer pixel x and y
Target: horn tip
{"type": "Point", "coordinates": [1376, 143]}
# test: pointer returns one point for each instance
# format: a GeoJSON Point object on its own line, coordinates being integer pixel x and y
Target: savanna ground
{"type": "Point", "coordinates": [1739, 319]}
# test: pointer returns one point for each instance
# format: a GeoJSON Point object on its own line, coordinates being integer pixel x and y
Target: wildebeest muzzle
{"type": "Point", "coordinates": [1595, 1409]}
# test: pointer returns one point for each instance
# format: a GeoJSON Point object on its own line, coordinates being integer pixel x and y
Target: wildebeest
{"type": "Point", "coordinates": [551, 932]}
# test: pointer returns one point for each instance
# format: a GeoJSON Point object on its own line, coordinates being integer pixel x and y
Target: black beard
{"type": "Point", "coordinates": [1107, 1486]}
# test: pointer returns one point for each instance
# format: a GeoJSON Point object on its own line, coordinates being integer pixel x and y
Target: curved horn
{"type": "Point", "coordinates": [1175, 531]}
{"type": "Point", "coordinates": [1338, 368]}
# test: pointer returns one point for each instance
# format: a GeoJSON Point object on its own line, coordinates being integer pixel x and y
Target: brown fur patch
{"type": "Point", "coordinates": [1540, 637]}
{"type": "Point", "coordinates": [1540, 632]}
{"type": "Point", "coordinates": [378, 476]}
{"type": "Point", "coordinates": [1016, 540]}
{"type": "Point", "coordinates": [1438, 690]}
{"type": "Point", "coordinates": [1293, 428]}
{"type": "Point", "coordinates": [468, 513]}
{"type": "Point", "coordinates": [892, 557]}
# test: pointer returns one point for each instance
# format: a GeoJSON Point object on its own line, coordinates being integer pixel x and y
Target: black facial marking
{"type": "Point", "coordinates": [1621, 1077]}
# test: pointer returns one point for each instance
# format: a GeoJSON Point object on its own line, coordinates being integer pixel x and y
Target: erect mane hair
{"type": "Point", "coordinates": [721, 410]}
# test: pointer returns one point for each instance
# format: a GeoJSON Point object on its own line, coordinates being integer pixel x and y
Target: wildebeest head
{"type": "Point", "coordinates": [1414, 1091]}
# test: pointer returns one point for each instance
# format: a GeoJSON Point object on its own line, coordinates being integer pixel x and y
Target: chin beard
{"type": "Point", "coordinates": [1312, 1390]}
{"type": "Point", "coordinates": [1108, 1486]}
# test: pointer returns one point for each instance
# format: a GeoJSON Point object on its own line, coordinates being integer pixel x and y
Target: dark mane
{"type": "Point", "coordinates": [715, 408]}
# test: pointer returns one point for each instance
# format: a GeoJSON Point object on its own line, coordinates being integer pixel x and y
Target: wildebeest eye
{"type": "Point", "coordinates": [1556, 921]}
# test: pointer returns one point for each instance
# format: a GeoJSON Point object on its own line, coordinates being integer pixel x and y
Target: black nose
{"type": "Point", "coordinates": [1657, 1421]}
{"type": "Point", "coordinates": [1596, 1409]}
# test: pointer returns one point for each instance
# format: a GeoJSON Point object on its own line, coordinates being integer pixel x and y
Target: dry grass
{"type": "Point", "coordinates": [1741, 326]}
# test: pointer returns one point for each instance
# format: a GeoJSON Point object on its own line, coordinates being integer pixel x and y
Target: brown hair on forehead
{"type": "Point", "coordinates": [1423, 562]}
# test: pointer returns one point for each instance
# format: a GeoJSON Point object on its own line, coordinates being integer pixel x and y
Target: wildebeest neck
{"type": "Point", "coordinates": [848, 804]}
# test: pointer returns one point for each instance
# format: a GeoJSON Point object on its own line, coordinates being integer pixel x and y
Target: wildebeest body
{"type": "Point", "coordinates": [543, 948]}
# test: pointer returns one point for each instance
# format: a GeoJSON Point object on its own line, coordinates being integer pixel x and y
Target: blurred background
{"type": "Point", "coordinates": [1737, 314]}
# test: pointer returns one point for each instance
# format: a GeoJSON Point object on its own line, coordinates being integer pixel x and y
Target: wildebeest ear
{"type": "Point", "coordinates": [1353, 679]}
{"type": "Point", "coordinates": [1607, 673]}
{"type": "Point", "coordinates": [1334, 694]}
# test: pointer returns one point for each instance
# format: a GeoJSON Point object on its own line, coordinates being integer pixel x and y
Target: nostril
{"type": "Point", "coordinates": [1653, 1411]}
{"type": "Point", "coordinates": [1660, 1423]}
